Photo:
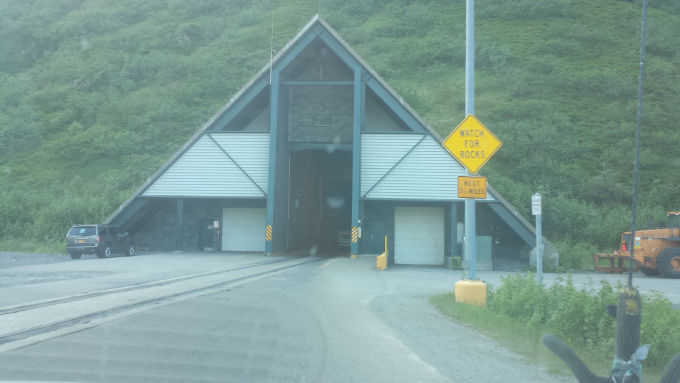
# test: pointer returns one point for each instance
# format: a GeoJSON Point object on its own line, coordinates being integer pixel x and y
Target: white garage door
{"type": "Point", "coordinates": [243, 229]}
{"type": "Point", "coordinates": [419, 235]}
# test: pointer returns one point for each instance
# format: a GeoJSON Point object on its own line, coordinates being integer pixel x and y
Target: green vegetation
{"type": "Point", "coordinates": [95, 95]}
{"type": "Point", "coordinates": [521, 310]}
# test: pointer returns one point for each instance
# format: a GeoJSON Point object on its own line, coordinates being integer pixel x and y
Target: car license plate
{"type": "Point", "coordinates": [81, 241]}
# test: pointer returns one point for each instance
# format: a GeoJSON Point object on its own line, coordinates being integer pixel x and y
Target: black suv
{"type": "Point", "coordinates": [103, 240]}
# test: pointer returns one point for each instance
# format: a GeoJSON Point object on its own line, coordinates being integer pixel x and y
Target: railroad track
{"type": "Point", "coordinates": [22, 323]}
{"type": "Point", "coordinates": [139, 286]}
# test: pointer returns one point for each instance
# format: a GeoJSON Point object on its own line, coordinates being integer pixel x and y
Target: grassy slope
{"type": "Point", "coordinates": [113, 88]}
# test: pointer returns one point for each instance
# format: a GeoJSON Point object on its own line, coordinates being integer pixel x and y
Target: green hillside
{"type": "Point", "coordinates": [95, 95]}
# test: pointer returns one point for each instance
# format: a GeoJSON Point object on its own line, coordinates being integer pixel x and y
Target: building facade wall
{"type": "Point", "coordinates": [320, 114]}
{"type": "Point", "coordinates": [159, 232]}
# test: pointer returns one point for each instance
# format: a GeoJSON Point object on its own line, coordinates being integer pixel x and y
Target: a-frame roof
{"type": "Point", "coordinates": [316, 27]}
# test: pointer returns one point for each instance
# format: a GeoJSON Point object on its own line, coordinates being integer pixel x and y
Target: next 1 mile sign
{"type": "Point", "coordinates": [471, 187]}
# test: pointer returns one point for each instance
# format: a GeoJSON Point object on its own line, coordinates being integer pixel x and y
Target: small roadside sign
{"type": "Point", "coordinates": [472, 144]}
{"type": "Point", "coordinates": [535, 204]}
{"type": "Point", "coordinates": [471, 187]}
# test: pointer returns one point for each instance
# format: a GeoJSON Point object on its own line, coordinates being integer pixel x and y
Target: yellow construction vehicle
{"type": "Point", "coordinates": [655, 251]}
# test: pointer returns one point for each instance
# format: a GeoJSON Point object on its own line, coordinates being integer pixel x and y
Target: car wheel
{"type": "Point", "coordinates": [668, 262]}
{"type": "Point", "coordinates": [130, 251]}
{"type": "Point", "coordinates": [75, 255]}
{"type": "Point", "coordinates": [105, 253]}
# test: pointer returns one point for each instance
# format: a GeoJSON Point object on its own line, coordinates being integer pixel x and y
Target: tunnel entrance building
{"type": "Point", "coordinates": [317, 154]}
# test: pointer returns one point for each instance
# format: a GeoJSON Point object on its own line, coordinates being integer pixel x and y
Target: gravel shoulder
{"type": "Point", "coordinates": [13, 259]}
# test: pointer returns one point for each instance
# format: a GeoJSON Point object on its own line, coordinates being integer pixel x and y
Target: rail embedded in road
{"type": "Point", "coordinates": [36, 319]}
{"type": "Point", "coordinates": [32, 305]}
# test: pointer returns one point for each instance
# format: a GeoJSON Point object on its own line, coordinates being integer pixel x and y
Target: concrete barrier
{"type": "Point", "coordinates": [470, 292]}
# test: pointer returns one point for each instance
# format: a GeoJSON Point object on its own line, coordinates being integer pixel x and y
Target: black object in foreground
{"type": "Point", "coordinates": [627, 366]}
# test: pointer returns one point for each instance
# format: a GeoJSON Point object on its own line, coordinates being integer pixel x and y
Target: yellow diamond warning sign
{"type": "Point", "coordinates": [472, 144]}
{"type": "Point", "coordinates": [471, 187]}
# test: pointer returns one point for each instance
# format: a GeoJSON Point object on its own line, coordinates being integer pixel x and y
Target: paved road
{"type": "Point", "coordinates": [334, 319]}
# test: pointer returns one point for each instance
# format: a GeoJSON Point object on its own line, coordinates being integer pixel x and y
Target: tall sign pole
{"type": "Point", "coordinates": [470, 224]}
{"type": "Point", "coordinates": [471, 144]}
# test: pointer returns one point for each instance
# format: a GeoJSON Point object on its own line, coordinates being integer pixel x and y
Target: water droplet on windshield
{"type": "Point", "coordinates": [312, 251]}
{"type": "Point", "coordinates": [335, 202]}
{"type": "Point", "coordinates": [336, 141]}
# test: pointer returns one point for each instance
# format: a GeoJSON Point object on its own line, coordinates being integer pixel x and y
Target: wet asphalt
{"type": "Point", "coordinates": [336, 320]}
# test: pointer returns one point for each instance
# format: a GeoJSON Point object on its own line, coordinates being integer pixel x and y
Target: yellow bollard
{"type": "Point", "coordinates": [471, 292]}
{"type": "Point", "coordinates": [381, 260]}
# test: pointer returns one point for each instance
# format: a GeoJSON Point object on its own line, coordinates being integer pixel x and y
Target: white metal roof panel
{"type": "Point", "coordinates": [205, 170]}
{"type": "Point", "coordinates": [425, 170]}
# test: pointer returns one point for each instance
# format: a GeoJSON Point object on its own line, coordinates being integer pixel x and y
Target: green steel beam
{"type": "Point", "coordinates": [340, 50]}
{"type": "Point", "coordinates": [179, 234]}
{"type": "Point", "coordinates": [130, 210]}
{"type": "Point", "coordinates": [356, 155]}
{"type": "Point", "coordinates": [150, 198]}
{"type": "Point", "coordinates": [515, 224]}
{"type": "Point", "coordinates": [294, 50]}
{"type": "Point", "coordinates": [248, 95]}
{"type": "Point", "coordinates": [404, 199]}
{"type": "Point", "coordinates": [298, 146]}
{"type": "Point", "coordinates": [453, 228]}
{"type": "Point", "coordinates": [362, 124]}
{"type": "Point", "coordinates": [317, 83]}
{"type": "Point", "coordinates": [273, 128]}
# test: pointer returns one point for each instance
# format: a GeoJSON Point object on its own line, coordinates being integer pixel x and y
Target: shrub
{"type": "Point", "coordinates": [575, 256]}
{"type": "Point", "coordinates": [661, 328]}
{"type": "Point", "coordinates": [578, 316]}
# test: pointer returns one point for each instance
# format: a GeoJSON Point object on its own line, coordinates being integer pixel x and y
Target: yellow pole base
{"type": "Point", "coordinates": [470, 292]}
{"type": "Point", "coordinates": [381, 261]}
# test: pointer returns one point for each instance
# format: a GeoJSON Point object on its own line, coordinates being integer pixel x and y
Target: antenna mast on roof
{"type": "Point", "coordinates": [271, 51]}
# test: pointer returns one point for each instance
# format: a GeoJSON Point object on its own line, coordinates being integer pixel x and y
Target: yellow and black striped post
{"type": "Point", "coordinates": [355, 238]}
{"type": "Point", "coordinates": [268, 233]}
